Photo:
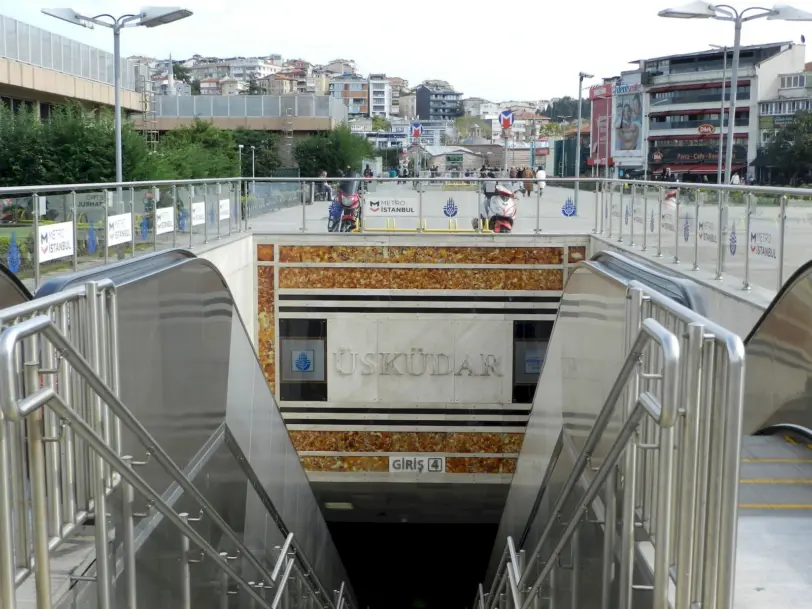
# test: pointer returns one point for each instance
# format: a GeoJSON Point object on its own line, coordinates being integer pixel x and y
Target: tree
{"type": "Point", "coordinates": [254, 88]}
{"type": "Point", "coordinates": [196, 86]}
{"type": "Point", "coordinates": [468, 126]}
{"type": "Point", "coordinates": [552, 129]}
{"type": "Point", "coordinates": [266, 152]}
{"type": "Point", "coordinates": [567, 107]}
{"type": "Point", "coordinates": [332, 151]}
{"type": "Point", "coordinates": [791, 148]}
{"type": "Point", "coordinates": [182, 73]}
{"type": "Point", "coordinates": [380, 123]}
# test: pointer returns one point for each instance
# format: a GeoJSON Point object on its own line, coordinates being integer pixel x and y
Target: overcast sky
{"type": "Point", "coordinates": [527, 51]}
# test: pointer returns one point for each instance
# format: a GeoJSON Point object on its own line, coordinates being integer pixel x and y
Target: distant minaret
{"type": "Point", "coordinates": [171, 78]}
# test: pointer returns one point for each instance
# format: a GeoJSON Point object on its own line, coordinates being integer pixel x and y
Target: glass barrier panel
{"type": "Point", "coordinates": [764, 242]}
{"type": "Point", "coordinates": [797, 234]}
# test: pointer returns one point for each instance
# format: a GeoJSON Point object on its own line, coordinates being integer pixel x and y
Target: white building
{"type": "Point", "coordinates": [341, 66]}
{"type": "Point", "coordinates": [380, 95]}
{"type": "Point", "coordinates": [791, 96]}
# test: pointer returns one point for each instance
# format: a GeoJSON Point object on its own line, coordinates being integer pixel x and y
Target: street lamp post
{"type": "Point", "coordinates": [577, 170]}
{"type": "Point", "coordinates": [722, 112]}
{"type": "Point", "coordinates": [148, 17]}
{"type": "Point", "coordinates": [725, 12]}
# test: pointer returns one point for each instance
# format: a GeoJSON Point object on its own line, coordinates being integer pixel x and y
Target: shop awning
{"type": "Point", "coordinates": [699, 169]}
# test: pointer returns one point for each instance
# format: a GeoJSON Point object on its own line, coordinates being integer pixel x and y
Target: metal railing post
{"type": "Point", "coordinates": [420, 208]}
{"type": "Point", "coordinates": [660, 223]}
{"type": "Point", "coordinates": [217, 210]}
{"type": "Point", "coordinates": [75, 257]}
{"type": "Point", "coordinates": [223, 596]}
{"type": "Point", "coordinates": [36, 465]}
{"type": "Point", "coordinates": [237, 194]}
{"type": "Point", "coordinates": [132, 215]}
{"type": "Point", "coordinates": [106, 229]}
{"type": "Point", "coordinates": [782, 228]}
{"type": "Point", "coordinates": [609, 535]}
{"type": "Point", "coordinates": [676, 227]}
{"type": "Point", "coordinates": [693, 418]}
{"type": "Point", "coordinates": [128, 540]}
{"type": "Point", "coordinates": [191, 214]}
{"type": "Point", "coordinates": [622, 216]}
{"type": "Point", "coordinates": [631, 220]}
{"type": "Point", "coordinates": [35, 209]}
{"type": "Point", "coordinates": [174, 215]}
{"type": "Point", "coordinates": [538, 211]}
{"type": "Point", "coordinates": [206, 214]}
{"type": "Point", "coordinates": [747, 220]}
{"type": "Point", "coordinates": [97, 407]}
{"type": "Point", "coordinates": [721, 200]}
{"type": "Point", "coordinates": [304, 208]}
{"type": "Point", "coordinates": [696, 230]}
{"type": "Point", "coordinates": [155, 191]}
{"type": "Point", "coordinates": [646, 224]}
{"type": "Point", "coordinates": [597, 197]}
{"type": "Point", "coordinates": [628, 517]}
{"type": "Point", "coordinates": [185, 575]}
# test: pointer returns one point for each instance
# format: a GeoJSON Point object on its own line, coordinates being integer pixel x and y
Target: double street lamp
{"type": "Point", "coordinates": [725, 12]}
{"type": "Point", "coordinates": [151, 16]}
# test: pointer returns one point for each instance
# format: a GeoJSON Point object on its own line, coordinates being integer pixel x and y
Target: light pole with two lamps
{"type": "Point", "coordinates": [152, 16]}
{"type": "Point", "coordinates": [725, 12]}
{"type": "Point", "coordinates": [724, 50]}
{"type": "Point", "coordinates": [577, 170]}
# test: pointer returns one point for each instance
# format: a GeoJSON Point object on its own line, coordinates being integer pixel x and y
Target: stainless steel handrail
{"type": "Point", "coordinates": [665, 416]}
{"type": "Point", "coordinates": [18, 409]}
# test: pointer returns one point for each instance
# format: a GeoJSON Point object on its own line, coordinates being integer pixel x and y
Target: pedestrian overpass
{"type": "Point", "coordinates": [207, 400]}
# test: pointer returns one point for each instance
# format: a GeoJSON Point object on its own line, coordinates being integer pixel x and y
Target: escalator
{"type": "Point", "coordinates": [773, 558]}
{"type": "Point", "coordinates": [12, 290]}
{"type": "Point", "coordinates": [190, 375]}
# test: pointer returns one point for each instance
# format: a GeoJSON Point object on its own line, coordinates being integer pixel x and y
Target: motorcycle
{"type": "Point", "coordinates": [501, 209]}
{"type": "Point", "coordinates": [345, 210]}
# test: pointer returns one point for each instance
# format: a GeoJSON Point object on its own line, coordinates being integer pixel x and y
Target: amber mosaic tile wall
{"type": "Point", "coordinates": [385, 267]}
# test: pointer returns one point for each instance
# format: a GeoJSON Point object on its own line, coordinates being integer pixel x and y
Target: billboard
{"type": "Point", "coordinates": [601, 132]}
{"type": "Point", "coordinates": [627, 117]}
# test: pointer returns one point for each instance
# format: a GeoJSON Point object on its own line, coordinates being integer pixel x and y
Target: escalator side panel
{"type": "Point", "coordinates": [583, 360]}
{"type": "Point", "coordinates": [12, 290]}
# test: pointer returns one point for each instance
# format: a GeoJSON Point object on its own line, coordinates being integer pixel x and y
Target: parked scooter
{"type": "Point", "coordinates": [500, 208]}
{"type": "Point", "coordinates": [345, 210]}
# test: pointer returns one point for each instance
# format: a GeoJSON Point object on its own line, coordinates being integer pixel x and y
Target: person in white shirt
{"type": "Point", "coordinates": [541, 179]}
{"type": "Point", "coordinates": [735, 179]}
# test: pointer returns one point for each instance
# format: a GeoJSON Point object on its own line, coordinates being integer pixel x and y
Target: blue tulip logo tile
{"type": "Point", "coordinates": [182, 220]}
{"type": "Point", "coordinates": [92, 242]}
{"type": "Point", "coordinates": [144, 228]}
{"type": "Point", "coordinates": [733, 239]}
{"type": "Point", "coordinates": [302, 360]}
{"type": "Point", "coordinates": [450, 208]}
{"type": "Point", "coordinates": [651, 222]}
{"type": "Point", "coordinates": [568, 209]}
{"type": "Point", "coordinates": [686, 230]}
{"type": "Point", "coordinates": [626, 214]}
{"type": "Point", "coordinates": [13, 255]}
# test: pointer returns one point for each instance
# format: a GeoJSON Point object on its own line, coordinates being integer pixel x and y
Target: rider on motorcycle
{"type": "Point", "coordinates": [489, 190]}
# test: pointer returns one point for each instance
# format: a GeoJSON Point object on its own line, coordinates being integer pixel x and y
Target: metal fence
{"type": "Point", "coordinates": [38, 47]}
{"type": "Point", "coordinates": [247, 106]}
{"type": "Point", "coordinates": [756, 235]}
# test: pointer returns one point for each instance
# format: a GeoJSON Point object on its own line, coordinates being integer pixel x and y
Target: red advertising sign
{"type": "Point", "coordinates": [600, 91]}
{"type": "Point", "coordinates": [601, 129]}
{"type": "Point", "coordinates": [706, 129]}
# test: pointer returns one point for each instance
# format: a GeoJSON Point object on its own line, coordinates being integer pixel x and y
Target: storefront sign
{"type": "Point", "coordinates": [706, 129]}
{"type": "Point", "coordinates": [453, 159]}
{"type": "Point", "coordinates": [55, 241]}
{"type": "Point", "coordinates": [695, 154]}
{"type": "Point", "coordinates": [164, 220]}
{"type": "Point", "coordinates": [119, 229]}
{"type": "Point", "coordinates": [389, 208]}
{"type": "Point", "coordinates": [416, 465]}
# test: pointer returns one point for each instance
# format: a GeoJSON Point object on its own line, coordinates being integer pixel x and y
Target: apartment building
{"type": "Point", "coordinates": [437, 100]}
{"type": "Point", "coordinates": [353, 91]}
{"type": "Point", "coordinates": [668, 112]}
{"type": "Point", "coordinates": [399, 86]}
{"type": "Point", "coordinates": [380, 95]}
{"type": "Point", "coordinates": [240, 68]}
{"type": "Point", "coordinates": [341, 66]}
{"type": "Point", "coordinates": [278, 84]}
{"type": "Point", "coordinates": [791, 94]}
{"type": "Point", "coordinates": [407, 105]}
